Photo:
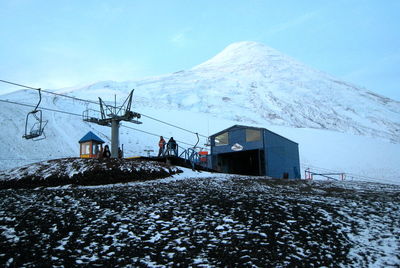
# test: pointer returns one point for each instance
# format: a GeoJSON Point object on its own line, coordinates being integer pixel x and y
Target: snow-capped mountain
{"type": "Point", "coordinates": [339, 126]}
{"type": "Point", "coordinates": [252, 83]}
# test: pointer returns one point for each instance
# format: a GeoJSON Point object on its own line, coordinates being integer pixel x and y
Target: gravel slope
{"type": "Point", "coordinates": [231, 221]}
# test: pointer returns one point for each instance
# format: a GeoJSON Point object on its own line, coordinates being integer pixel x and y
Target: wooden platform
{"type": "Point", "coordinates": [178, 161]}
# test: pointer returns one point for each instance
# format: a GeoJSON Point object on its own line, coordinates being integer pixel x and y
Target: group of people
{"type": "Point", "coordinates": [171, 150]}
{"type": "Point", "coordinates": [103, 153]}
{"type": "Point", "coordinates": [106, 153]}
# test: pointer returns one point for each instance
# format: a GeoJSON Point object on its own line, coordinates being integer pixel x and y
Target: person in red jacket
{"type": "Point", "coordinates": [161, 145]}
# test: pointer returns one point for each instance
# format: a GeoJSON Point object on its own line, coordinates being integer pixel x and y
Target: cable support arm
{"type": "Point", "coordinates": [97, 103]}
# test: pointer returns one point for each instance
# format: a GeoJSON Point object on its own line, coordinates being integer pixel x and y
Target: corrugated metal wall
{"type": "Point", "coordinates": [280, 155]}
{"type": "Point", "coordinates": [236, 135]}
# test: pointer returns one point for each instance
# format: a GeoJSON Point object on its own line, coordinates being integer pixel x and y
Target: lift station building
{"type": "Point", "coordinates": [254, 151]}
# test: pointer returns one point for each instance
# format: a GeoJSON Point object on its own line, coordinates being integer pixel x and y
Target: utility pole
{"type": "Point", "coordinates": [111, 116]}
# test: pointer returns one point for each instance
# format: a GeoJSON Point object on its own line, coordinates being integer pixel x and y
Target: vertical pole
{"type": "Point", "coordinates": [114, 138]}
{"type": "Point", "coordinates": [115, 104]}
{"type": "Point", "coordinates": [259, 163]}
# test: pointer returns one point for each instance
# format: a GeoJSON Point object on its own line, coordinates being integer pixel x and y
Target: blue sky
{"type": "Point", "coordinates": [55, 44]}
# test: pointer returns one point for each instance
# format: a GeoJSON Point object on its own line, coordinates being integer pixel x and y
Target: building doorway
{"type": "Point", "coordinates": [243, 163]}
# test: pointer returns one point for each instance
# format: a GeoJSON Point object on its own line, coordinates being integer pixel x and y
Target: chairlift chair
{"type": "Point", "coordinates": [34, 123]}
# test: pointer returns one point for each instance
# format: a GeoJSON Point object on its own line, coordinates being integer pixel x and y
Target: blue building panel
{"type": "Point", "coordinates": [254, 151]}
{"type": "Point", "coordinates": [237, 135]}
{"type": "Point", "coordinates": [228, 148]}
{"type": "Point", "coordinates": [282, 156]}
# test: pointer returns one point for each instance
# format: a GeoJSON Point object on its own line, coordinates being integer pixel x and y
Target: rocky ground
{"type": "Point", "coordinates": [78, 171]}
{"type": "Point", "coordinates": [199, 222]}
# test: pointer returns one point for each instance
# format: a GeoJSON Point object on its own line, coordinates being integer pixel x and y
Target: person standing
{"type": "Point", "coordinates": [100, 152]}
{"type": "Point", "coordinates": [172, 147]}
{"type": "Point", "coordinates": [161, 145]}
{"type": "Point", "coordinates": [106, 152]}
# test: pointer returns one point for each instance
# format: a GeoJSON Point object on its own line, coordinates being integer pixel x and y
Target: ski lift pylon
{"type": "Point", "coordinates": [34, 124]}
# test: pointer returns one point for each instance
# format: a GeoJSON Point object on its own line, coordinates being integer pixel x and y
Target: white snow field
{"type": "Point", "coordinates": [361, 157]}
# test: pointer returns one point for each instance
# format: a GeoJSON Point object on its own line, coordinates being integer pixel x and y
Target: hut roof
{"type": "Point", "coordinates": [90, 136]}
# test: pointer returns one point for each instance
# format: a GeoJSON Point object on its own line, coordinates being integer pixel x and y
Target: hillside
{"type": "Point", "coordinates": [339, 127]}
{"type": "Point", "coordinates": [252, 83]}
{"type": "Point", "coordinates": [78, 171]}
{"type": "Point", "coordinates": [220, 221]}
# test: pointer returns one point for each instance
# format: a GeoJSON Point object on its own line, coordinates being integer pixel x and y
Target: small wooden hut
{"type": "Point", "coordinates": [90, 145]}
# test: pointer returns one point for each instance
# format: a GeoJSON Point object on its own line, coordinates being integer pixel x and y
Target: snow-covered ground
{"type": "Point", "coordinates": [78, 171]}
{"type": "Point", "coordinates": [69, 168]}
{"type": "Point", "coordinates": [361, 157]}
{"type": "Point", "coordinates": [204, 219]}
{"type": "Point", "coordinates": [195, 220]}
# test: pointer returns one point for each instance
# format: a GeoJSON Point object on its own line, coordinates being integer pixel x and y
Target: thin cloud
{"type": "Point", "coordinates": [293, 22]}
{"type": "Point", "coordinates": [181, 38]}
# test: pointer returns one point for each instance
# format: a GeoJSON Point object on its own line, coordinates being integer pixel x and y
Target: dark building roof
{"type": "Point", "coordinates": [90, 136]}
{"type": "Point", "coordinates": [247, 127]}
{"type": "Point", "coordinates": [234, 127]}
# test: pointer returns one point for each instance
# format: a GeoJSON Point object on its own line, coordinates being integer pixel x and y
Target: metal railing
{"type": "Point", "coordinates": [191, 155]}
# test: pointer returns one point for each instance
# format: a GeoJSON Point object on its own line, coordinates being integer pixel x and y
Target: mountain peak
{"type": "Point", "coordinates": [248, 46]}
{"type": "Point", "coordinates": [243, 53]}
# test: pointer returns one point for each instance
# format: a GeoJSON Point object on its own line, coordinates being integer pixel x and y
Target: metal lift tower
{"type": "Point", "coordinates": [111, 115]}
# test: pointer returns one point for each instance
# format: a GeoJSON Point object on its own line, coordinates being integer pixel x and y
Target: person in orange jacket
{"type": "Point", "coordinates": [161, 145]}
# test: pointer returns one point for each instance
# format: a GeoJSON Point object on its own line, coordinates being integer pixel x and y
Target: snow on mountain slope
{"type": "Point", "coordinates": [361, 157]}
{"type": "Point", "coordinates": [247, 83]}
{"type": "Point", "coordinates": [252, 83]}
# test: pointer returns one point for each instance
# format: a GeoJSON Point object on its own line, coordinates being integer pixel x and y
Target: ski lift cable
{"type": "Point", "coordinates": [38, 89]}
{"type": "Point", "coordinates": [37, 128]}
{"type": "Point", "coordinates": [153, 134]}
{"type": "Point", "coordinates": [172, 125]}
{"type": "Point", "coordinates": [97, 103]}
{"type": "Point", "coordinates": [69, 113]}
{"type": "Point", "coordinates": [19, 85]}
{"type": "Point", "coordinates": [74, 114]}
{"type": "Point", "coordinates": [49, 92]}
{"type": "Point", "coordinates": [47, 109]}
